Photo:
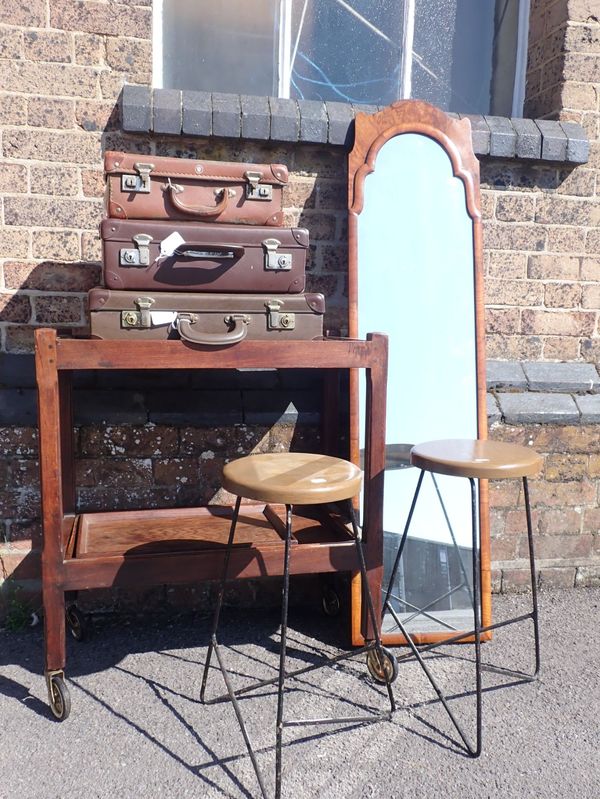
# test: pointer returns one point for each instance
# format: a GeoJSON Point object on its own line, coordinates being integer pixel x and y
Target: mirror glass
{"type": "Point", "coordinates": [416, 283]}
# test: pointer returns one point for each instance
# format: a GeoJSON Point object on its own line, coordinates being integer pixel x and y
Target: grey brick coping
{"type": "Point", "coordinates": [543, 393]}
{"type": "Point", "coordinates": [169, 111]}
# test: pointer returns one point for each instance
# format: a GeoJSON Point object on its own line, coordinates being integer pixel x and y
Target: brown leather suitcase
{"type": "Point", "coordinates": [159, 187]}
{"type": "Point", "coordinates": [204, 257]}
{"type": "Point", "coordinates": [212, 319]}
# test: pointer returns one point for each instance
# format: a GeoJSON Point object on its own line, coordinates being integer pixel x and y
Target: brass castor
{"type": "Point", "coordinates": [385, 672]}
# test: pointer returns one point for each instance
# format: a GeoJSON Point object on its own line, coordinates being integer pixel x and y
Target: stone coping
{"type": "Point", "coordinates": [528, 392]}
{"type": "Point", "coordinates": [232, 116]}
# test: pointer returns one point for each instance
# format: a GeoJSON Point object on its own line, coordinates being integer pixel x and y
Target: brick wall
{"type": "Point", "coordinates": [62, 67]}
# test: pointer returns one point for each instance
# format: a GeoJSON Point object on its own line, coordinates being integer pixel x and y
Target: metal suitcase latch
{"type": "Point", "coordinates": [274, 261]}
{"type": "Point", "coordinates": [277, 320]}
{"type": "Point", "coordinates": [139, 183]}
{"type": "Point", "coordinates": [255, 190]}
{"type": "Point", "coordinates": [141, 318]}
{"type": "Point", "coordinates": [139, 256]}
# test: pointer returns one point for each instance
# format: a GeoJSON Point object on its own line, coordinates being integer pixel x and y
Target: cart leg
{"type": "Point", "coordinates": [55, 651]}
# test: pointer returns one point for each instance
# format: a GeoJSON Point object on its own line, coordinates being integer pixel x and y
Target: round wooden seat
{"type": "Point", "coordinates": [474, 458]}
{"type": "Point", "coordinates": [292, 478]}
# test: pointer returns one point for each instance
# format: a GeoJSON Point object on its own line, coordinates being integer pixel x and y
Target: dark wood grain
{"type": "Point", "coordinates": [141, 547]}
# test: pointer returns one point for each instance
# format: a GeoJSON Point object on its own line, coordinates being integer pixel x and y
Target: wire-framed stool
{"type": "Point", "coordinates": [472, 459]}
{"type": "Point", "coordinates": [293, 478]}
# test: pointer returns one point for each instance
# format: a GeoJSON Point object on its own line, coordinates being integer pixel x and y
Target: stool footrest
{"type": "Point", "coordinates": [384, 716]}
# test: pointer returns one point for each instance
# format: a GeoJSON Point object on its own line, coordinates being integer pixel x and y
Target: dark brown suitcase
{"type": "Point", "coordinates": [159, 187]}
{"type": "Point", "coordinates": [213, 319]}
{"type": "Point", "coordinates": [213, 258]}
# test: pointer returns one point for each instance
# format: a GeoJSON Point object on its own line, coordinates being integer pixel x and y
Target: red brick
{"type": "Point", "coordinates": [129, 441]}
{"type": "Point", "coordinates": [56, 212]}
{"type": "Point", "coordinates": [24, 474]}
{"type": "Point", "coordinates": [576, 493]}
{"type": "Point", "coordinates": [112, 19]}
{"type": "Point", "coordinates": [19, 442]}
{"type": "Point", "coordinates": [560, 348]}
{"type": "Point", "coordinates": [14, 308]}
{"type": "Point", "coordinates": [561, 295]}
{"type": "Point", "coordinates": [53, 146]}
{"type": "Point", "coordinates": [13, 109]}
{"type": "Point", "coordinates": [516, 581]}
{"type": "Point", "coordinates": [52, 276]}
{"type": "Point", "coordinates": [91, 247]}
{"type": "Point", "coordinates": [11, 43]}
{"type": "Point", "coordinates": [520, 348]}
{"type": "Point", "coordinates": [567, 438]}
{"type": "Point", "coordinates": [557, 267]}
{"type": "Point", "coordinates": [60, 244]}
{"type": "Point", "coordinates": [561, 546]}
{"type": "Point", "coordinates": [503, 548]}
{"type": "Point", "coordinates": [97, 115]}
{"type": "Point", "coordinates": [591, 520]}
{"type": "Point", "coordinates": [27, 13]}
{"type": "Point", "coordinates": [570, 323]}
{"type": "Point", "coordinates": [590, 268]}
{"type": "Point", "coordinates": [504, 236]}
{"type": "Point", "coordinates": [13, 178]}
{"type": "Point", "coordinates": [557, 577]}
{"type": "Point", "coordinates": [503, 320]}
{"type": "Point", "coordinates": [32, 77]}
{"type": "Point", "coordinates": [58, 310]}
{"type": "Point", "coordinates": [40, 45]}
{"type": "Point", "coordinates": [89, 48]}
{"type": "Point", "coordinates": [125, 54]}
{"type": "Point", "coordinates": [560, 521]}
{"type": "Point", "coordinates": [561, 238]}
{"type": "Point", "coordinates": [56, 180]}
{"type": "Point", "coordinates": [564, 467]}
{"type": "Point", "coordinates": [177, 470]}
{"type": "Point", "coordinates": [19, 340]}
{"type": "Point", "coordinates": [50, 112]}
{"type": "Point", "coordinates": [504, 493]}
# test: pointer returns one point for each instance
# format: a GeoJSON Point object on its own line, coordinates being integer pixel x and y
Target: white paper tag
{"type": "Point", "coordinates": [162, 317]}
{"type": "Point", "coordinates": [170, 244]}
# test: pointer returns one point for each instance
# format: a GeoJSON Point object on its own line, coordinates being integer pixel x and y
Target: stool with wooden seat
{"type": "Point", "coordinates": [474, 460]}
{"type": "Point", "coordinates": [294, 478]}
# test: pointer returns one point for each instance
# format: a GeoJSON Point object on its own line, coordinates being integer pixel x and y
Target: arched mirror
{"type": "Point", "coordinates": [415, 273]}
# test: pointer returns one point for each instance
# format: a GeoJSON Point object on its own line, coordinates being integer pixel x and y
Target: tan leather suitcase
{"type": "Point", "coordinates": [212, 319]}
{"type": "Point", "coordinates": [191, 256]}
{"type": "Point", "coordinates": [160, 187]}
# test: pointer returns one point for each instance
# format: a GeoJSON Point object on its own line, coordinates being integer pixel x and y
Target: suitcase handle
{"type": "Point", "coordinates": [219, 251]}
{"type": "Point", "coordinates": [185, 327]}
{"type": "Point", "coordinates": [200, 210]}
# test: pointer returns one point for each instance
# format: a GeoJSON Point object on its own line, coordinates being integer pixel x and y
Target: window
{"type": "Point", "coordinates": [461, 55]}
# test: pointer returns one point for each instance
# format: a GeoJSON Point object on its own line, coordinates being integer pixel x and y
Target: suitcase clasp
{"type": "Point", "coordinates": [274, 261]}
{"type": "Point", "coordinates": [277, 320]}
{"type": "Point", "coordinates": [139, 183]}
{"type": "Point", "coordinates": [254, 189]}
{"type": "Point", "coordinates": [140, 318]}
{"type": "Point", "coordinates": [140, 256]}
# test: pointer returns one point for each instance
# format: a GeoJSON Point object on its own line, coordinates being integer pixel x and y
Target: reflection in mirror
{"type": "Point", "coordinates": [416, 283]}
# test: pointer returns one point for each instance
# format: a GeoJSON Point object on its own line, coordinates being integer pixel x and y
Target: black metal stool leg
{"type": "Point", "coordinates": [534, 602]}
{"type": "Point", "coordinates": [220, 596]}
{"type": "Point", "coordinates": [476, 615]}
{"type": "Point", "coordinates": [282, 650]}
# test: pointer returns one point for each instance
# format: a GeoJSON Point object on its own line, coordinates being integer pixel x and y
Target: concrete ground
{"type": "Point", "coordinates": [137, 728]}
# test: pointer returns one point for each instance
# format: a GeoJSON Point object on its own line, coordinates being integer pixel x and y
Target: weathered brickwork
{"type": "Point", "coordinates": [62, 68]}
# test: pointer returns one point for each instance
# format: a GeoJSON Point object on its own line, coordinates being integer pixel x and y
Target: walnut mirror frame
{"type": "Point", "coordinates": [416, 274]}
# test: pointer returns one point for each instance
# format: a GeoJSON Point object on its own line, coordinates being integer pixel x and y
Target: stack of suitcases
{"type": "Point", "coordinates": [197, 250]}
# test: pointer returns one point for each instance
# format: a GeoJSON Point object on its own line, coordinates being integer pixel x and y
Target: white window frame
{"type": "Point", "coordinates": [287, 48]}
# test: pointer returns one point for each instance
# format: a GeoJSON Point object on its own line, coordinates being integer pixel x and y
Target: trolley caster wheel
{"type": "Point", "coordinates": [59, 696]}
{"type": "Point", "coordinates": [77, 623]}
{"type": "Point", "coordinates": [382, 673]}
{"type": "Point", "coordinates": [330, 602]}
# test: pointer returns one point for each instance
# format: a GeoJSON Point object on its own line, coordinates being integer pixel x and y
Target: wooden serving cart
{"type": "Point", "coordinates": [151, 547]}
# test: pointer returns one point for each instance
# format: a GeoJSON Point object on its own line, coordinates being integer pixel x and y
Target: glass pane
{"type": "Point", "coordinates": [347, 50]}
{"type": "Point", "coordinates": [464, 54]}
{"type": "Point", "coordinates": [226, 46]}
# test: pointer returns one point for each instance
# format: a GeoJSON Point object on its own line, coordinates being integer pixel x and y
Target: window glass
{"type": "Point", "coordinates": [457, 54]}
